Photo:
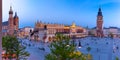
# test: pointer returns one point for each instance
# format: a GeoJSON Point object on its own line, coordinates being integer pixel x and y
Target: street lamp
{"type": "Point", "coordinates": [73, 40]}
{"type": "Point", "coordinates": [79, 46]}
{"type": "Point", "coordinates": [67, 44]}
{"type": "Point", "coordinates": [98, 50]}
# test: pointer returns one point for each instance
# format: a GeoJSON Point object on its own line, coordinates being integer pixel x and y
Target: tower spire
{"type": "Point", "coordinates": [10, 8]}
{"type": "Point", "coordinates": [99, 12]}
{"type": "Point", "coordinates": [10, 12]}
{"type": "Point", "coordinates": [99, 9]}
{"type": "Point", "coordinates": [15, 15]}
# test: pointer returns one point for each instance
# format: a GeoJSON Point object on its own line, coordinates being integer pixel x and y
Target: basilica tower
{"type": "Point", "coordinates": [99, 28]}
{"type": "Point", "coordinates": [10, 22]}
{"type": "Point", "coordinates": [16, 22]}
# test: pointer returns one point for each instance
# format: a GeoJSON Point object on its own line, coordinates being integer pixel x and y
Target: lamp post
{"type": "Point", "coordinates": [98, 50]}
{"type": "Point", "coordinates": [0, 29]}
{"type": "Point", "coordinates": [74, 40]}
{"type": "Point", "coordinates": [79, 46]}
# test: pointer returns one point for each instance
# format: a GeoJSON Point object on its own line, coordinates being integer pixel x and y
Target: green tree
{"type": "Point", "coordinates": [62, 49]}
{"type": "Point", "coordinates": [88, 49]}
{"type": "Point", "coordinates": [8, 44]}
{"type": "Point", "coordinates": [20, 52]}
{"type": "Point", "coordinates": [89, 57]}
{"type": "Point", "coordinates": [13, 47]}
{"type": "Point", "coordinates": [116, 58]}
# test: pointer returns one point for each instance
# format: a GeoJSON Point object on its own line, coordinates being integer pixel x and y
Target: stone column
{"type": "Point", "coordinates": [0, 29]}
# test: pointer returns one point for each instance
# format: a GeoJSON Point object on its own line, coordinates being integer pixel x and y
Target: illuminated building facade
{"type": "Point", "coordinates": [46, 32]}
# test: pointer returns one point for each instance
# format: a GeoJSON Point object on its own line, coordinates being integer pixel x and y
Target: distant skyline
{"type": "Point", "coordinates": [82, 12]}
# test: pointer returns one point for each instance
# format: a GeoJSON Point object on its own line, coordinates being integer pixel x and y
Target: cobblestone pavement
{"type": "Point", "coordinates": [101, 48]}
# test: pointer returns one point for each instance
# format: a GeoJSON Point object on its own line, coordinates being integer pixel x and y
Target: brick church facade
{"type": "Point", "coordinates": [11, 26]}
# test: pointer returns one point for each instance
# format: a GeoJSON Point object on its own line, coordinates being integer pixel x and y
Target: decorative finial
{"type": "Point", "coordinates": [99, 8]}
{"type": "Point", "coordinates": [15, 13]}
{"type": "Point", "coordinates": [99, 11]}
{"type": "Point", "coordinates": [10, 12]}
{"type": "Point", "coordinates": [10, 8]}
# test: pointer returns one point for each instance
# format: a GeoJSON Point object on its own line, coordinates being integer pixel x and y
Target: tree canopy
{"type": "Point", "coordinates": [62, 49]}
{"type": "Point", "coordinates": [13, 48]}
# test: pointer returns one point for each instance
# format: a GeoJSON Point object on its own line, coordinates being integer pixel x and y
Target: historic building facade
{"type": "Point", "coordinates": [11, 26]}
{"type": "Point", "coordinates": [46, 32]}
{"type": "Point", "coordinates": [99, 28]}
{"type": "Point", "coordinates": [24, 32]}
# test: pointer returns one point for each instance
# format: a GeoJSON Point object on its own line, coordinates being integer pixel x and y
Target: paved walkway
{"type": "Point", "coordinates": [36, 54]}
{"type": "Point", "coordinates": [101, 48]}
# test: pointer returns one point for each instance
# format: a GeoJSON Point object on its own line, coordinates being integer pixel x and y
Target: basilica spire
{"type": "Point", "coordinates": [15, 15]}
{"type": "Point", "coordinates": [11, 11]}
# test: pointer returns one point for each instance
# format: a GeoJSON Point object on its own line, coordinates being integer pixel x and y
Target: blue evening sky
{"type": "Point", "coordinates": [82, 12]}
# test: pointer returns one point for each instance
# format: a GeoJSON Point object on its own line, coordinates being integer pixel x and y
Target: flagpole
{"type": "Point", "coordinates": [0, 29]}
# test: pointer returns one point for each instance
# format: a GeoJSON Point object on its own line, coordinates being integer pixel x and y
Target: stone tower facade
{"type": "Point", "coordinates": [10, 22]}
{"type": "Point", "coordinates": [13, 23]}
{"type": "Point", "coordinates": [16, 23]}
{"type": "Point", "coordinates": [99, 28]}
